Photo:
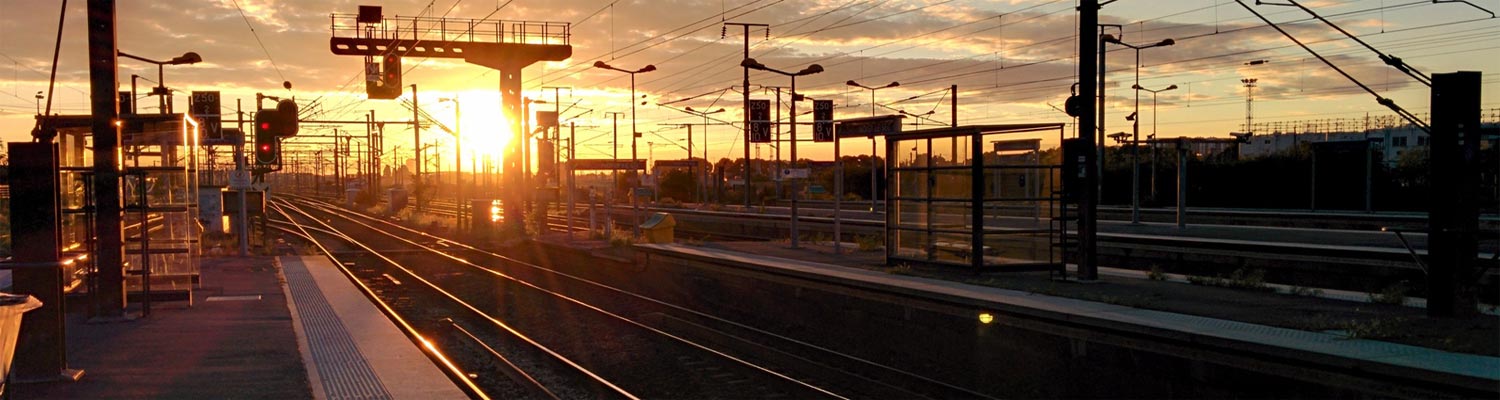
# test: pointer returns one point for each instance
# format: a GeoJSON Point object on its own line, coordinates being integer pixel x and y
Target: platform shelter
{"type": "Point", "coordinates": [975, 196]}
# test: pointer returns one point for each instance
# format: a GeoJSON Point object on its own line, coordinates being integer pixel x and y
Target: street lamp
{"type": "Point", "coordinates": [872, 91]}
{"type": "Point", "coordinates": [633, 133]}
{"type": "Point", "coordinates": [1135, 153]}
{"type": "Point", "coordinates": [690, 110]}
{"type": "Point", "coordinates": [39, 98]}
{"type": "Point", "coordinates": [809, 70]}
{"type": "Point", "coordinates": [1153, 131]}
{"type": "Point", "coordinates": [873, 150]}
{"type": "Point", "coordinates": [161, 86]}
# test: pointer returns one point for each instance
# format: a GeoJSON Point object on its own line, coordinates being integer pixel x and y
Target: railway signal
{"type": "Point", "coordinates": [267, 141]}
{"type": "Point", "coordinates": [285, 120]}
{"type": "Point", "coordinates": [388, 85]}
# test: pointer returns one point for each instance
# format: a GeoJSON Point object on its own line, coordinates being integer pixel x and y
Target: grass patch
{"type": "Point", "coordinates": [622, 238]}
{"type": "Point", "coordinates": [1305, 291]}
{"type": "Point", "coordinates": [1241, 278]}
{"type": "Point", "coordinates": [1394, 294]}
{"type": "Point", "coordinates": [1372, 329]}
{"type": "Point", "coordinates": [870, 242]}
{"type": "Point", "coordinates": [1156, 274]}
{"type": "Point", "coordinates": [901, 269]}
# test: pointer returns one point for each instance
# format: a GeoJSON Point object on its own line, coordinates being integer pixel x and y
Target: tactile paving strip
{"type": "Point", "coordinates": [341, 367]}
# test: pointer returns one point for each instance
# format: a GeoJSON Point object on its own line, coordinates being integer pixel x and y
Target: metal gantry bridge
{"type": "Point", "coordinates": [505, 46]}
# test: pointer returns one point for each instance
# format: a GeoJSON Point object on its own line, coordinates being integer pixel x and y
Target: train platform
{"type": "Point", "coordinates": [1247, 321]}
{"type": "Point", "coordinates": [1218, 234]}
{"type": "Point", "coordinates": [258, 327]}
{"type": "Point", "coordinates": [350, 348]}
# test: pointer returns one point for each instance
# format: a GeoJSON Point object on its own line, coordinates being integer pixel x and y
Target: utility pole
{"type": "Point", "coordinates": [746, 105]}
{"type": "Point", "coordinates": [1088, 46]}
{"type": "Point", "coordinates": [105, 107]}
{"type": "Point", "coordinates": [614, 149]}
{"type": "Point", "coordinates": [416, 130]}
{"type": "Point", "coordinates": [777, 172]}
{"type": "Point", "coordinates": [242, 230]}
{"type": "Point", "coordinates": [954, 110]}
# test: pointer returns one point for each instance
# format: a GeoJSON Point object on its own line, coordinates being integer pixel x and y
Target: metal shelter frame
{"type": "Point", "coordinates": [945, 205]}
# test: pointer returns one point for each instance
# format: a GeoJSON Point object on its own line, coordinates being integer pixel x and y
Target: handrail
{"type": "Point", "coordinates": [344, 25]}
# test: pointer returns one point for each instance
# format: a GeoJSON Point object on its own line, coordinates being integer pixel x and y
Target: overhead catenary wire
{"type": "Point", "coordinates": [262, 44]}
{"type": "Point", "coordinates": [1388, 103]}
{"type": "Point", "coordinates": [1393, 61]}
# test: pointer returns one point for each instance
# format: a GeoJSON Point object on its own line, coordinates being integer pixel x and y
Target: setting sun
{"type": "Point", "coordinates": [484, 134]}
{"type": "Point", "coordinates": [484, 128]}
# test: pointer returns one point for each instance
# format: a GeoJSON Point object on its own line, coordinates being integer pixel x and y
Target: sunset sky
{"type": "Point", "coordinates": [1013, 61]}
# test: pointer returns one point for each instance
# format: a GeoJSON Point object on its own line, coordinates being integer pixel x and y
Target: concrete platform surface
{"type": "Point", "coordinates": [1373, 353]}
{"type": "Point", "coordinates": [258, 328]}
{"type": "Point", "coordinates": [236, 341]}
{"type": "Point", "coordinates": [350, 349]}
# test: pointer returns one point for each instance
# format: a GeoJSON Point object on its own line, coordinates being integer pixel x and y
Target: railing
{"type": "Point", "coordinates": [451, 30]}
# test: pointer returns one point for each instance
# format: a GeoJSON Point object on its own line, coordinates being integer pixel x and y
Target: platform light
{"type": "Point", "coordinates": [986, 318]}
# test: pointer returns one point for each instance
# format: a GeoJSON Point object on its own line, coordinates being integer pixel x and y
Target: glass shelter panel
{"type": "Point", "coordinates": [952, 183]}
{"type": "Point", "coordinates": [978, 196]}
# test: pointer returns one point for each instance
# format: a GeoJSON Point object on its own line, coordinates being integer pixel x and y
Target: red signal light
{"type": "Point", "coordinates": [265, 147]}
{"type": "Point", "coordinates": [265, 125]}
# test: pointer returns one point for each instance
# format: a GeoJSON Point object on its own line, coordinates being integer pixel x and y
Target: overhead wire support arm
{"type": "Point", "coordinates": [1491, 13]}
{"type": "Point", "coordinates": [1388, 103]}
{"type": "Point", "coordinates": [1393, 61]}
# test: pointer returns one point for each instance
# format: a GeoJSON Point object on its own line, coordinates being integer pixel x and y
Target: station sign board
{"type": "Point", "coordinates": [679, 163]}
{"type": "Point", "coordinates": [760, 121]}
{"type": "Point", "coordinates": [239, 180]}
{"type": "Point", "coordinates": [1002, 146]}
{"type": "Point", "coordinates": [795, 173]}
{"type": "Point", "coordinates": [606, 164]}
{"type": "Point", "coordinates": [255, 202]}
{"type": "Point", "coordinates": [870, 127]}
{"type": "Point", "coordinates": [822, 120]}
{"type": "Point", "coordinates": [204, 107]}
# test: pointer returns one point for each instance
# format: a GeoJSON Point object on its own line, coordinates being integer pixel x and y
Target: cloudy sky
{"type": "Point", "coordinates": [1013, 61]}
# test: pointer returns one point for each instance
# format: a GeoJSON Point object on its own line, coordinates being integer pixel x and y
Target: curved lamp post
{"type": "Point", "coordinates": [1153, 131]}
{"type": "Point", "coordinates": [161, 86]}
{"type": "Point", "coordinates": [809, 70]}
{"type": "Point", "coordinates": [1135, 153]}
{"type": "Point", "coordinates": [873, 150]}
{"type": "Point", "coordinates": [633, 133]}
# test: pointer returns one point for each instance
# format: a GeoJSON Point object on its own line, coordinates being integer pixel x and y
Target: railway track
{"type": "Point", "coordinates": [579, 338]}
{"type": "Point", "coordinates": [1350, 267]}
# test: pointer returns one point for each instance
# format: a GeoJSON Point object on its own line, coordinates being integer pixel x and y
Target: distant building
{"type": "Point", "coordinates": [1393, 137]}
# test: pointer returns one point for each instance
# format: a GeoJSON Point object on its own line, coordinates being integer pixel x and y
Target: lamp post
{"type": "Point", "coordinates": [458, 158]}
{"type": "Point", "coordinates": [811, 69]}
{"type": "Point", "coordinates": [633, 133]}
{"type": "Point", "coordinates": [1135, 153]}
{"type": "Point", "coordinates": [161, 86]}
{"type": "Point", "coordinates": [873, 150]}
{"type": "Point", "coordinates": [39, 98]}
{"type": "Point", "coordinates": [1153, 131]}
{"type": "Point", "coordinates": [704, 190]}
